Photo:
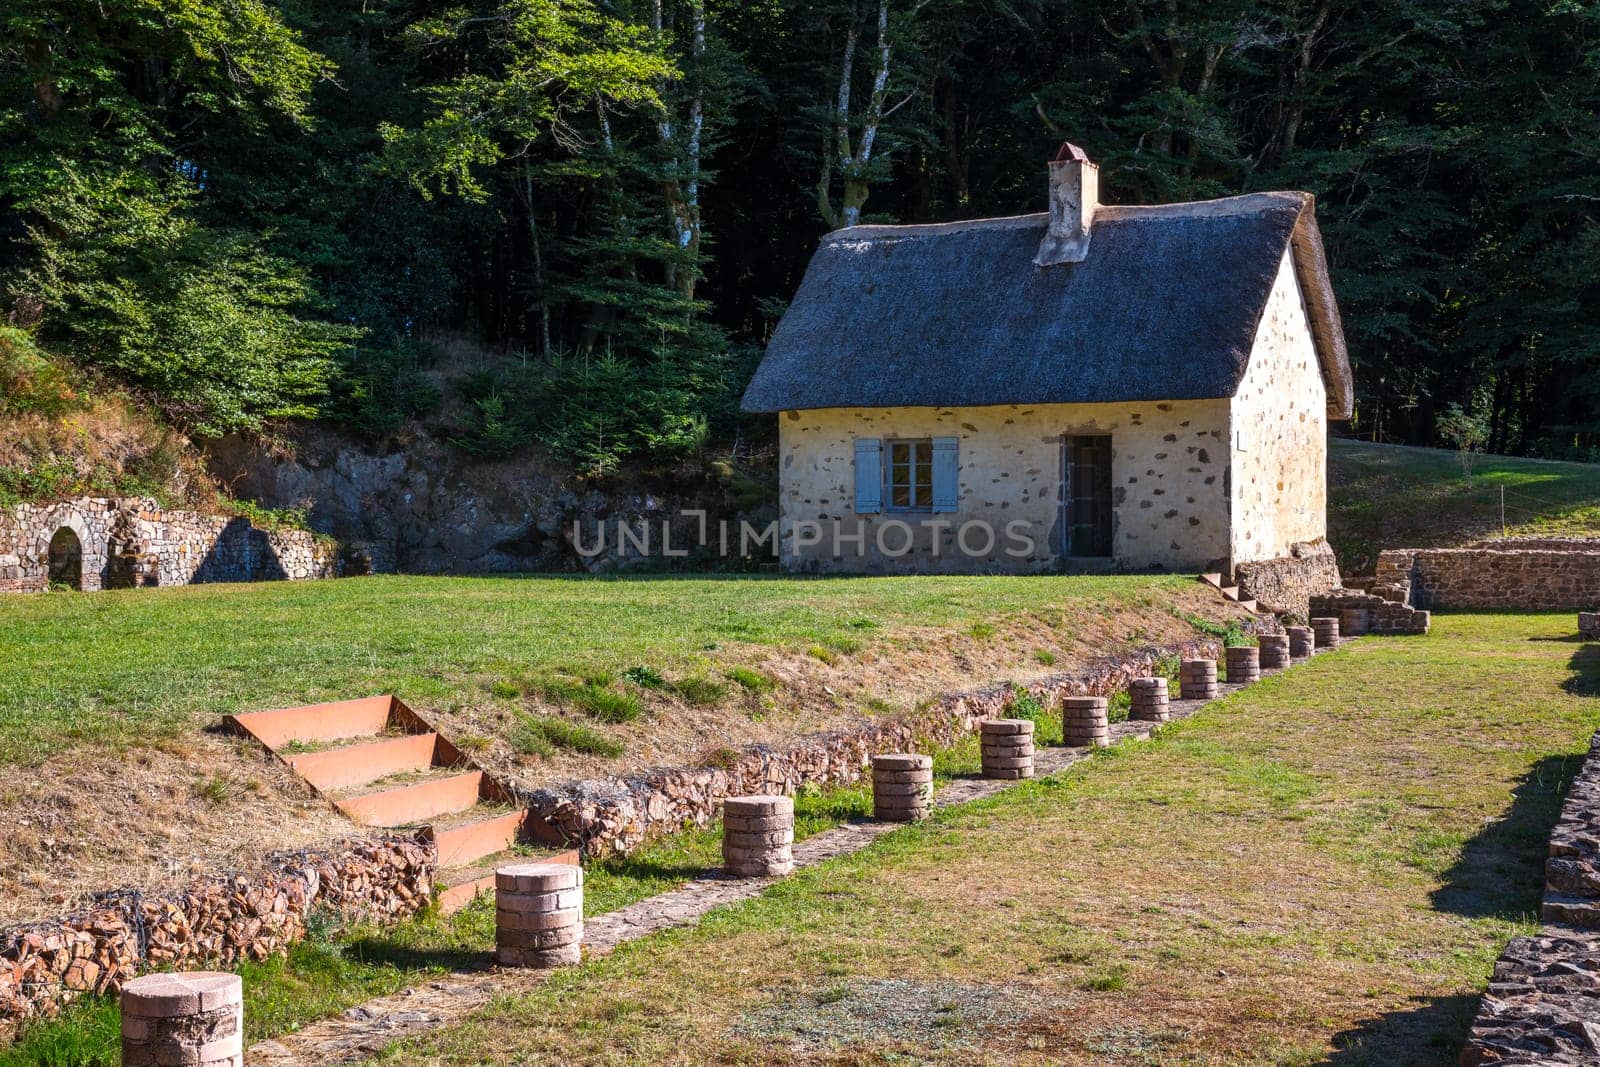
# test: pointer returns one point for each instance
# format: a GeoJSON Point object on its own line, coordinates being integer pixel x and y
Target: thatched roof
{"type": "Point", "coordinates": [1165, 308]}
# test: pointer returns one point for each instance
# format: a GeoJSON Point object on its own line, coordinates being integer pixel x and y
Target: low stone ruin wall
{"type": "Point", "coordinates": [619, 814]}
{"type": "Point", "coordinates": [45, 965]}
{"type": "Point", "coordinates": [1286, 585]}
{"type": "Point", "coordinates": [1389, 614]}
{"type": "Point", "coordinates": [123, 543]}
{"type": "Point", "coordinates": [1543, 1003]}
{"type": "Point", "coordinates": [1500, 578]}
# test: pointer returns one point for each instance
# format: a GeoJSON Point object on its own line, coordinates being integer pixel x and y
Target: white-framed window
{"type": "Point", "coordinates": [908, 480]}
{"type": "Point", "coordinates": [907, 474]}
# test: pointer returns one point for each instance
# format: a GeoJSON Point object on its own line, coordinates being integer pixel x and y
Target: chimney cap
{"type": "Point", "coordinates": [1072, 153]}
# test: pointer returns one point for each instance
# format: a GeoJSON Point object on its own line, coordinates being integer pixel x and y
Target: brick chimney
{"type": "Point", "coordinates": [1074, 195]}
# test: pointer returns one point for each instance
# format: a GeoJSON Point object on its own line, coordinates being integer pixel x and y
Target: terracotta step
{"type": "Point", "coordinates": [1248, 605]}
{"type": "Point", "coordinates": [456, 889]}
{"type": "Point", "coordinates": [1214, 580]}
{"type": "Point", "coordinates": [353, 765]}
{"type": "Point", "coordinates": [417, 802]}
{"type": "Point", "coordinates": [317, 722]}
{"type": "Point", "coordinates": [1231, 592]}
{"type": "Point", "coordinates": [471, 841]}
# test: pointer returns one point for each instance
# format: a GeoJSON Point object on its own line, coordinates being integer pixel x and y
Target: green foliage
{"type": "Point", "coordinates": [1465, 431]}
{"type": "Point", "coordinates": [592, 697]}
{"type": "Point", "coordinates": [646, 678]}
{"type": "Point", "coordinates": [752, 680]}
{"type": "Point", "coordinates": [542, 735]}
{"type": "Point", "coordinates": [700, 691]}
{"type": "Point", "coordinates": [30, 382]}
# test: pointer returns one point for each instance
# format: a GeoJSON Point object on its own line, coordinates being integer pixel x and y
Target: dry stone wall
{"type": "Point", "coordinates": [129, 542]}
{"type": "Point", "coordinates": [619, 814]}
{"type": "Point", "coordinates": [1500, 578]}
{"type": "Point", "coordinates": [45, 965]}
{"type": "Point", "coordinates": [1543, 1003]}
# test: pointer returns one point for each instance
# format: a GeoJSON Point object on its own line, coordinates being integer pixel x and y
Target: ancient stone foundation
{"type": "Point", "coordinates": [1589, 625]}
{"type": "Point", "coordinates": [1244, 664]}
{"type": "Point", "coordinates": [1147, 700]}
{"type": "Point", "coordinates": [1388, 612]}
{"type": "Point", "coordinates": [1355, 622]}
{"type": "Point", "coordinates": [1197, 679]}
{"type": "Point", "coordinates": [1507, 575]}
{"type": "Point", "coordinates": [1007, 748]}
{"type": "Point", "coordinates": [1274, 651]}
{"type": "Point", "coordinates": [758, 836]}
{"type": "Point", "coordinates": [1326, 631]}
{"type": "Point", "coordinates": [902, 786]}
{"type": "Point", "coordinates": [1084, 721]}
{"type": "Point", "coordinates": [1286, 585]}
{"type": "Point", "coordinates": [191, 1019]}
{"type": "Point", "coordinates": [538, 914]}
{"type": "Point", "coordinates": [1302, 642]}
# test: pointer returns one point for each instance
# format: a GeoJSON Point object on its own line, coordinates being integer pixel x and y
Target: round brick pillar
{"type": "Point", "coordinates": [902, 786]}
{"type": "Point", "coordinates": [1326, 631]}
{"type": "Point", "coordinates": [1197, 679]}
{"type": "Point", "coordinates": [1301, 642]}
{"type": "Point", "coordinates": [1084, 722]}
{"type": "Point", "coordinates": [1244, 664]}
{"type": "Point", "coordinates": [538, 914]}
{"type": "Point", "coordinates": [1147, 700]}
{"type": "Point", "coordinates": [758, 836]}
{"type": "Point", "coordinates": [1274, 651]}
{"type": "Point", "coordinates": [1007, 747]}
{"type": "Point", "coordinates": [1353, 622]}
{"type": "Point", "coordinates": [194, 1018]}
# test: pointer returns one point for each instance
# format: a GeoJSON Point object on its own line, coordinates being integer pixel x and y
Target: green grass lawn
{"type": "Point", "coordinates": [1320, 869]}
{"type": "Point", "coordinates": [1392, 496]}
{"type": "Point", "coordinates": [136, 665]}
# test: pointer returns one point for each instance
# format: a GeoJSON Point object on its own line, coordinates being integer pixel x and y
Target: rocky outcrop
{"type": "Point", "coordinates": [420, 506]}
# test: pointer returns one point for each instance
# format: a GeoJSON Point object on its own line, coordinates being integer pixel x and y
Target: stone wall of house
{"type": "Point", "coordinates": [619, 814]}
{"type": "Point", "coordinates": [1472, 579]}
{"type": "Point", "coordinates": [131, 542]}
{"type": "Point", "coordinates": [45, 965]}
{"type": "Point", "coordinates": [1543, 1003]}
{"type": "Point", "coordinates": [1279, 433]}
{"type": "Point", "coordinates": [1169, 477]}
{"type": "Point", "coordinates": [1286, 585]}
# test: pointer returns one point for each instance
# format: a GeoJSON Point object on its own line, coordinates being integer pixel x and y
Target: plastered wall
{"type": "Point", "coordinates": [1280, 433]}
{"type": "Point", "coordinates": [1169, 479]}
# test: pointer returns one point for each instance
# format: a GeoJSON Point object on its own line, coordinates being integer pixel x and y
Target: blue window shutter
{"type": "Point", "coordinates": [869, 475]}
{"type": "Point", "coordinates": [946, 486]}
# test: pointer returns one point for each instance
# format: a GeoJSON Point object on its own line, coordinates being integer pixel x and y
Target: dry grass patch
{"type": "Point", "coordinates": [1319, 870]}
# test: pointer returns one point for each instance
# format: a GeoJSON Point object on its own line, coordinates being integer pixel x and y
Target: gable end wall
{"type": "Point", "coordinates": [1279, 423]}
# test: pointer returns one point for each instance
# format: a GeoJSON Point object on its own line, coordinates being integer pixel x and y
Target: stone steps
{"type": "Point", "coordinates": [381, 765]}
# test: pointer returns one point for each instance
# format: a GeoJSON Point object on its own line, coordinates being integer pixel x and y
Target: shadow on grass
{"type": "Point", "coordinates": [1585, 667]}
{"type": "Point", "coordinates": [1432, 1032]}
{"type": "Point", "coordinates": [1500, 872]}
{"type": "Point", "coordinates": [380, 952]}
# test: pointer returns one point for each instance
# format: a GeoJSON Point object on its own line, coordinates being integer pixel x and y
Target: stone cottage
{"type": "Point", "coordinates": [1095, 387]}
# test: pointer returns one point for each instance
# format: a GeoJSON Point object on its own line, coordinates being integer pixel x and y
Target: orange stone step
{"type": "Point", "coordinates": [1231, 592]}
{"type": "Point", "coordinates": [415, 803]}
{"type": "Point", "coordinates": [317, 722]}
{"type": "Point", "coordinates": [353, 765]}
{"type": "Point", "coordinates": [457, 889]}
{"type": "Point", "coordinates": [1212, 580]}
{"type": "Point", "coordinates": [470, 842]}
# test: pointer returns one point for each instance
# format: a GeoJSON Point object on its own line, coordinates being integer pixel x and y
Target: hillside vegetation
{"type": "Point", "coordinates": [253, 213]}
{"type": "Point", "coordinates": [1393, 496]}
